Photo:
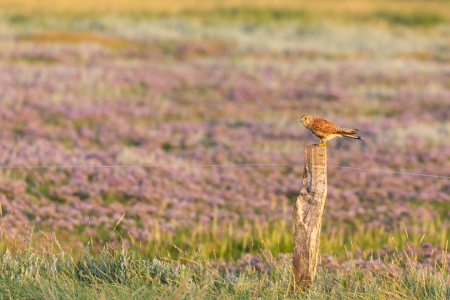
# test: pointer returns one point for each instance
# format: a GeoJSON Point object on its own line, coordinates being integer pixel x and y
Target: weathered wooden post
{"type": "Point", "coordinates": [308, 213]}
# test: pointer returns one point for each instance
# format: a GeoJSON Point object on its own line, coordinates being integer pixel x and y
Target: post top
{"type": "Point", "coordinates": [315, 146]}
{"type": "Point", "coordinates": [315, 155]}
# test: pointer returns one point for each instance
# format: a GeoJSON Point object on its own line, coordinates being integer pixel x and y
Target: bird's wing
{"type": "Point", "coordinates": [325, 126]}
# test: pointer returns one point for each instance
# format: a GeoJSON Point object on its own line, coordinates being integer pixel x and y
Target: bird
{"type": "Point", "coordinates": [325, 129]}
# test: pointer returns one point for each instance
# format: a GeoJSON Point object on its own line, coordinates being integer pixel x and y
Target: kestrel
{"type": "Point", "coordinates": [325, 129]}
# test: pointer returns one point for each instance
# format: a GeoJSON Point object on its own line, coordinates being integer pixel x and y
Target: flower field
{"type": "Point", "coordinates": [154, 96]}
{"type": "Point", "coordinates": [154, 149]}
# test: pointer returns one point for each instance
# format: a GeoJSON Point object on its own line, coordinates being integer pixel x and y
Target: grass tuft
{"type": "Point", "coordinates": [415, 19]}
{"type": "Point", "coordinates": [122, 272]}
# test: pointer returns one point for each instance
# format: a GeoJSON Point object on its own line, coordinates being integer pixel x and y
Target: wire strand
{"type": "Point", "coordinates": [394, 172]}
{"type": "Point", "coordinates": [214, 165]}
{"type": "Point", "coordinates": [142, 166]}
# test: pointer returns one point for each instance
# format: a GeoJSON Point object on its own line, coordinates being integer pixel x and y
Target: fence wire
{"type": "Point", "coordinates": [215, 165]}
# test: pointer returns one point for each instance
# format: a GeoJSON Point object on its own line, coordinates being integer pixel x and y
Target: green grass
{"type": "Point", "coordinates": [125, 273]}
{"type": "Point", "coordinates": [178, 265]}
{"type": "Point", "coordinates": [415, 13]}
{"type": "Point", "coordinates": [416, 19]}
{"type": "Point", "coordinates": [249, 14]}
{"type": "Point", "coordinates": [278, 238]}
{"type": "Point", "coordinates": [253, 15]}
{"type": "Point", "coordinates": [223, 241]}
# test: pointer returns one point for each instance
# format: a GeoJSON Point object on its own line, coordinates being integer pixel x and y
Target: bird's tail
{"type": "Point", "coordinates": [350, 133]}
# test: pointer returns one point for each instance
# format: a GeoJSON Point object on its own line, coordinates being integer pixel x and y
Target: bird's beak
{"type": "Point", "coordinates": [302, 119]}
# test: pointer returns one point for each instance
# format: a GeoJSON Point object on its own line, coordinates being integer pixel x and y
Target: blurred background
{"type": "Point", "coordinates": [174, 82]}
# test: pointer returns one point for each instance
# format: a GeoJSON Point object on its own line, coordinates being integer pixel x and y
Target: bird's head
{"type": "Point", "coordinates": [306, 119]}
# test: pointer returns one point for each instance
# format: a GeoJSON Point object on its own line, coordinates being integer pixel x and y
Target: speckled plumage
{"type": "Point", "coordinates": [325, 129]}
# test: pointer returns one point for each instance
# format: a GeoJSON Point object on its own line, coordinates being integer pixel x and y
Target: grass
{"type": "Point", "coordinates": [278, 238]}
{"type": "Point", "coordinates": [223, 241]}
{"type": "Point", "coordinates": [425, 19]}
{"type": "Point", "coordinates": [176, 263]}
{"type": "Point", "coordinates": [411, 13]}
{"type": "Point", "coordinates": [123, 272]}
{"type": "Point", "coordinates": [248, 14]}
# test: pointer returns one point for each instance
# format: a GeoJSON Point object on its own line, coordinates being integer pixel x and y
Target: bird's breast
{"type": "Point", "coordinates": [319, 134]}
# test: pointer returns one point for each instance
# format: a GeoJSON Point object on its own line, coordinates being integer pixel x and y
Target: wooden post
{"type": "Point", "coordinates": [308, 213]}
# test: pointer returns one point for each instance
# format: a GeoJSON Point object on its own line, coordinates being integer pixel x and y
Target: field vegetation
{"type": "Point", "coordinates": [123, 273]}
{"type": "Point", "coordinates": [415, 12]}
{"type": "Point", "coordinates": [152, 88]}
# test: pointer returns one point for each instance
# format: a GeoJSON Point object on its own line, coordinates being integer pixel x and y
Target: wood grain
{"type": "Point", "coordinates": [308, 212]}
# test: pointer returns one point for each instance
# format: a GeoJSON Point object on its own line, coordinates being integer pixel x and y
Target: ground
{"type": "Point", "coordinates": [222, 85]}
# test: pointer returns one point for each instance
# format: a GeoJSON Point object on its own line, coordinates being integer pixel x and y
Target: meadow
{"type": "Point", "coordinates": [158, 91]}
